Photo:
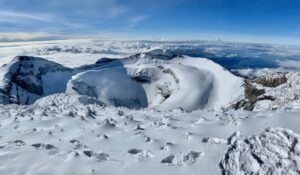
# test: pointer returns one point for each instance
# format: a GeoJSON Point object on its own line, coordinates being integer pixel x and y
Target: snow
{"type": "Point", "coordinates": [156, 78]}
{"type": "Point", "coordinates": [154, 112]}
{"type": "Point", "coordinates": [276, 151]}
{"type": "Point", "coordinates": [185, 82]}
{"type": "Point", "coordinates": [193, 91]}
{"type": "Point", "coordinates": [84, 138]}
{"type": "Point", "coordinates": [112, 87]}
{"type": "Point", "coordinates": [226, 86]}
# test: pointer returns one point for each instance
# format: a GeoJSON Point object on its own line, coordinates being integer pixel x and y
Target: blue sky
{"type": "Point", "coordinates": [276, 21]}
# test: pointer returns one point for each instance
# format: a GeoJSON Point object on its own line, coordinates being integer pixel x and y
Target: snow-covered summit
{"type": "Point", "coordinates": [169, 81]}
{"type": "Point", "coordinates": [156, 78]}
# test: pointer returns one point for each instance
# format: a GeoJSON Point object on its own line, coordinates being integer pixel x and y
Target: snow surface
{"type": "Point", "coordinates": [174, 119]}
{"type": "Point", "coordinates": [112, 87]}
{"type": "Point", "coordinates": [226, 86]}
{"type": "Point", "coordinates": [63, 134]}
{"type": "Point", "coordinates": [274, 151]}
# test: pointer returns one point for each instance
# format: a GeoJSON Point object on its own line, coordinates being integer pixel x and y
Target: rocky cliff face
{"type": "Point", "coordinates": [271, 91]}
{"type": "Point", "coordinates": [272, 80]}
{"type": "Point", "coordinates": [22, 79]}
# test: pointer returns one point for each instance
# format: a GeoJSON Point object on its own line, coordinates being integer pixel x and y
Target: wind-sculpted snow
{"type": "Point", "coordinates": [157, 79]}
{"type": "Point", "coordinates": [275, 151]}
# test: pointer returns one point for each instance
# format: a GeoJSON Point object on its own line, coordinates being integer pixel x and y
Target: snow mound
{"type": "Point", "coordinates": [226, 86]}
{"type": "Point", "coordinates": [275, 151]}
{"type": "Point", "coordinates": [194, 89]}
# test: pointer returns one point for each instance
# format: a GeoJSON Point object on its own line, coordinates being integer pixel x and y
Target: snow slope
{"type": "Point", "coordinates": [69, 134]}
{"type": "Point", "coordinates": [226, 86]}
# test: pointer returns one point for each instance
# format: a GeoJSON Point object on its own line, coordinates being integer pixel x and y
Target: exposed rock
{"type": "Point", "coordinates": [272, 91]}
{"type": "Point", "coordinates": [159, 54]}
{"type": "Point", "coordinates": [22, 79]}
{"type": "Point", "coordinates": [272, 80]}
{"type": "Point", "coordinates": [251, 92]}
{"type": "Point", "coordinates": [105, 60]}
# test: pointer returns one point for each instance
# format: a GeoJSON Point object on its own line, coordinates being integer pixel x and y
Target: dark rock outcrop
{"type": "Point", "coordinates": [22, 80]}
{"type": "Point", "coordinates": [253, 94]}
{"type": "Point", "coordinates": [273, 80]}
{"type": "Point", "coordinates": [158, 54]}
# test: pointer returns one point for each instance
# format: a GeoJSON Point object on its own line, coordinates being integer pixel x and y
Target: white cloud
{"type": "Point", "coordinates": [12, 16]}
{"type": "Point", "coordinates": [135, 20]}
{"type": "Point", "coordinates": [23, 36]}
{"type": "Point", "coordinates": [292, 64]}
{"type": "Point", "coordinates": [115, 11]}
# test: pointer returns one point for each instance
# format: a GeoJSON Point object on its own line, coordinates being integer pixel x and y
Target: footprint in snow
{"type": "Point", "coordinates": [19, 143]}
{"type": "Point", "coordinates": [52, 149]}
{"type": "Point", "coordinates": [186, 159]}
{"type": "Point", "coordinates": [134, 151]}
{"type": "Point", "coordinates": [77, 144]}
{"type": "Point", "coordinates": [191, 157]}
{"type": "Point", "coordinates": [100, 157]}
{"type": "Point", "coordinates": [168, 160]}
{"type": "Point", "coordinates": [44, 146]}
{"type": "Point", "coordinates": [213, 140]}
{"type": "Point", "coordinates": [167, 146]}
{"type": "Point", "coordinates": [141, 154]}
